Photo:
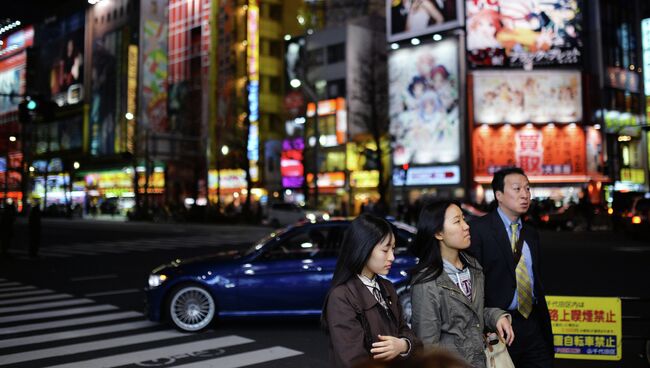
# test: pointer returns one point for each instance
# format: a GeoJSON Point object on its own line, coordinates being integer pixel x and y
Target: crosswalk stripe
{"type": "Point", "coordinates": [89, 346]}
{"type": "Point", "coordinates": [114, 292]}
{"type": "Point", "coordinates": [26, 293]}
{"type": "Point", "coordinates": [73, 322]}
{"type": "Point", "coordinates": [94, 277]}
{"type": "Point", "coordinates": [35, 299]}
{"type": "Point", "coordinates": [57, 336]}
{"type": "Point", "coordinates": [64, 303]}
{"type": "Point", "coordinates": [244, 359]}
{"type": "Point", "coordinates": [158, 353]}
{"type": "Point", "coordinates": [57, 313]}
{"type": "Point", "coordinates": [18, 288]}
{"type": "Point", "coordinates": [65, 250]}
{"type": "Point", "coordinates": [9, 284]}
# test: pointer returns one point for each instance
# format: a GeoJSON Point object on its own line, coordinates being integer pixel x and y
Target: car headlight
{"type": "Point", "coordinates": [311, 217]}
{"type": "Point", "coordinates": [156, 280]}
{"type": "Point", "coordinates": [326, 216]}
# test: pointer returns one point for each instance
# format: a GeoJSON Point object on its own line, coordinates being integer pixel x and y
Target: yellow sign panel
{"type": "Point", "coordinates": [586, 327]}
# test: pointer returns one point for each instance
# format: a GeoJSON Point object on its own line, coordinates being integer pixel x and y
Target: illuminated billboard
{"type": "Point", "coordinates": [291, 162]}
{"type": "Point", "coordinates": [61, 59]}
{"type": "Point", "coordinates": [253, 55]}
{"type": "Point", "coordinates": [423, 98]}
{"type": "Point", "coordinates": [554, 150]}
{"type": "Point", "coordinates": [522, 97]}
{"type": "Point", "coordinates": [12, 81]}
{"type": "Point", "coordinates": [412, 18]}
{"type": "Point", "coordinates": [516, 33]}
{"type": "Point", "coordinates": [105, 113]}
{"type": "Point", "coordinates": [153, 76]}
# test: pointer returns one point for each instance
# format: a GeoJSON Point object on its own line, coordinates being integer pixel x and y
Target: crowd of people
{"type": "Point", "coordinates": [473, 284]}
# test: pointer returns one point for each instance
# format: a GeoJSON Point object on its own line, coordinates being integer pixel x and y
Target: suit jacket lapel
{"type": "Point", "coordinates": [502, 241]}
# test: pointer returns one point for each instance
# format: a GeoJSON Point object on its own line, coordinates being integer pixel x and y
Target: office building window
{"type": "Point", "coordinates": [336, 53]}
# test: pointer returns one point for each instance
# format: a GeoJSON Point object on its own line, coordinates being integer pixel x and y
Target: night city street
{"type": "Point", "coordinates": [81, 302]}
{"type": "Point", "coordinates": [195, 183]}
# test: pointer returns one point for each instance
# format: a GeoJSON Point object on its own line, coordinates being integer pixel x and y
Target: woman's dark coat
{"type": "Point", "coordinates": [354, 319]}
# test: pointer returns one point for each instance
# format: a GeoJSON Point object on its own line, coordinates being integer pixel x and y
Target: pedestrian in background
{"type": "Point", "coordinates": [362, 314]}
{"type": "Point", "coordinates": [34, 227]}
{"type": "Point", "coordinates": [447, 287]}
{"type": "Point", "coordinates": [510, 252]}
{"type": "Point", "coordinates": [7, 227]}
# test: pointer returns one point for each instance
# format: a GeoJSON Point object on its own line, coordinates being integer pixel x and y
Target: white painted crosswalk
{"type": "Point", "coordinates": [61, 330]}
{"type": "Point", "coordinates": [126, 246]}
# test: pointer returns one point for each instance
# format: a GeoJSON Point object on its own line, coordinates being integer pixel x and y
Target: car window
{"type": "Point", "coordinates": [324, 242]}
{"type": "Point", "coordinates": [302, 242]}
{"type": "Point", "coordinates": [403, 241]}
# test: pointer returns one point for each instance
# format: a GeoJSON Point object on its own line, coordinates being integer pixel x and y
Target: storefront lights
{"type": "Point", "coordinates": [437, 37]}
{"type": "Point", "coordinates": [394, 46]}
{"type": "Point", "coordinates": [75, 165]}
{"type": "Point", "coordinates": [415, 41]}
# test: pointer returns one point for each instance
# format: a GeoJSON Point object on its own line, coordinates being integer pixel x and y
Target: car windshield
{"type": "Point", "coordinates": [260, 243]}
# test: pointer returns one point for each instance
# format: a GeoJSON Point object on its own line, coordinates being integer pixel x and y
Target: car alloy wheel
{"type": "Point", "coordinates": [191, 308]}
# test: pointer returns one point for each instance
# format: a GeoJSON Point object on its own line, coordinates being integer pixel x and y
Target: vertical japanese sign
{"type": "Point", "coordinates": [253, 53]}
{"type": "Point", "coordinates": [586, 327]}
{"type": "Point", "coordinates": [131, 93]}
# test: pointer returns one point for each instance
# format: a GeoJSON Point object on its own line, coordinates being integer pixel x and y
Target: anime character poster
{"type": "Point", "coordinates": [61, 58]}
{"type": "Point", "coordinates": [423, 97]}
{"type": "Point", "coordinates": [153, 92]}
{"type": "Point", "coordinates": [523, 32]}
{"type": "Point", "coordinates": [412, 18]}
{"type": "Point", "coordinates": [522, 97]}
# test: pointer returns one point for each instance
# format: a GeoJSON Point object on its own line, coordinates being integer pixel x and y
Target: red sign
{"type": "Point", "coordinates": [548, 150]}
{"type": "Point", "coordinates": [294, 103]}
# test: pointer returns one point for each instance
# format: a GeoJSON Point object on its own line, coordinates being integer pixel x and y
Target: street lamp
{"type": "Point", "coordinates": [296, 83]}
{"type": "Point", "coordinates": [12, 138]}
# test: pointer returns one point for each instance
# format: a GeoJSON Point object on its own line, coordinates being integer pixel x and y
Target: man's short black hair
{"type": "Point", "coordinates": [498, 180]}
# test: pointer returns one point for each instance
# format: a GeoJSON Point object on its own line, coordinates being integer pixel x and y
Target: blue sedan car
{"type": "Point", "coordinates": [286, 273]}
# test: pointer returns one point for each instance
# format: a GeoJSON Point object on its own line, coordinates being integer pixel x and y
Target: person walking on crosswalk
{"type": "Point", "coordinates": [362, 314]}
{"type": "Point", "coordinates": [509, 251]}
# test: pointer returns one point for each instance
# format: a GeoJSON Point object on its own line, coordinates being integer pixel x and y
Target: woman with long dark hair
{"type": "Point", "coordinates": [362, 314]}
{"type": "Point", "coordinates": [447, 287]}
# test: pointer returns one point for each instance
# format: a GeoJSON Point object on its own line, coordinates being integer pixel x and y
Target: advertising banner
{"type": "Point", "coordinates": [525, 97]}
{"type": "Point", "coordinates": [108, 55]}
{"type": "Point", "coordinates": [435, 175]}
{"type": "Point", "coordinates": [153, 91]}
{"type": "Point", "coordinates": [423, 98]}
{"type": "Point", "coordinates": [523, 32]}
{"type": "Point", "coordinates": [551, 150]}
{"type": "Point", "coordinates": [586, 327]}
{"type": "Point", "coordinates": [61, 135]}
{"type": "Point", "coordinates": [412, 18]}
{"type": "Point", "coordinates": [61, 58]}
{"type": "Point", "coordinates": [228, 179]}
{"type": "Point", "coordinates": [12, 81]}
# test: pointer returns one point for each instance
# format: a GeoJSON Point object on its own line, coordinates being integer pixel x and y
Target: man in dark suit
{"type": "Point", "coordinates": [509, 252]}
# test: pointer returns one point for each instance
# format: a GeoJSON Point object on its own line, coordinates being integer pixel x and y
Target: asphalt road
{"type": "Point", "coordinates": [89, 270]}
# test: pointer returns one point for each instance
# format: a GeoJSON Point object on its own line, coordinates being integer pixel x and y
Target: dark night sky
{"type": "Point", "coordinates": [32, 11]}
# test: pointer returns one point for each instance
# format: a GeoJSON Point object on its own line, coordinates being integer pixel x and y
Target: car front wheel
{"type": "Point", "coordinates": [191, 308]}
